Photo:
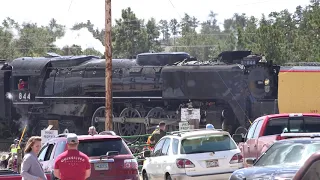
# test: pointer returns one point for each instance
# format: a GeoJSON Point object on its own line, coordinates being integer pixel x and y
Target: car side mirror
{"type": "Point", "coordinates": [238, 138]}
{"type": "Point", "coordinates": [147, 154]}
{"type": "Point", "coordinates": [250, 161]}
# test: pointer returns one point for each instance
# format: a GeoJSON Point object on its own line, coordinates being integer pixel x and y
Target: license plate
{"type": "Point", "coordinates": [101, 166]}
{"type": "Point", "coordinates": [212, 163]}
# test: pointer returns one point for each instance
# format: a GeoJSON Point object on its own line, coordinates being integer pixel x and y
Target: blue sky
{"type": "Point", "coordinates": [69, 12]}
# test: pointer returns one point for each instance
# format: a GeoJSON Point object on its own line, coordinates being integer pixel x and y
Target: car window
{"type": "Point", "coordinates": [251, 130]}
{"type": "Point", "coordinates": [100, 147]}
{"type": "Point", "coordinates": [288, 153]}
{"type": "Point", "coordinates": [158, 148]}
{"type": "Point", "coordinates": [61, 146]}
{"type": "Point", "coordinates": [42, 153]}
{"type": "Point", "coordinates": [313, 172]}
{"type": "Point", "coordinates": [175, 145]}
{"type": "Point", "coordinates": [165, 147]}
{"type": "Point", "coordinates": [49, 151]}
{"type": "Point", "coordinates": [258, 129]}
{"type": "Point", "coordinates": [280, 125]}
{"type": "Point", "coordinates": [207, 143]}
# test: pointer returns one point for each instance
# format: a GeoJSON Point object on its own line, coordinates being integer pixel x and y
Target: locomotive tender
{"type": "Point", "coordinates": [230, 91]}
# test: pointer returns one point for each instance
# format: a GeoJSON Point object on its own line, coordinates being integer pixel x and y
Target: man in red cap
{"type": "Point", "coordinates": [72, 164]}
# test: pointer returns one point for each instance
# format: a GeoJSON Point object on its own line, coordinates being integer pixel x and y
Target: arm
{"type": "Point", "coordinates": [25, 167]}
{"type": "Point", "coordinates": [152, 139]}
{"type": "Point", "coordinates": [56, 171]}
{"type": "Point", "coordinates": [88, 168]}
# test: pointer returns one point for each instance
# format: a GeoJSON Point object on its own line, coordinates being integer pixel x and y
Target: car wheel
{"type": "Point", "coordinates": [145, 176]}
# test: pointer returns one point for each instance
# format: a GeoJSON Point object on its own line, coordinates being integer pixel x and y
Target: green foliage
{"type": "Point", "coordinates": [281, 36]}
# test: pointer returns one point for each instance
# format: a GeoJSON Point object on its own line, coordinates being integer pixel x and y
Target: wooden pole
{"type": "Point", "coordinates": [108, 55]}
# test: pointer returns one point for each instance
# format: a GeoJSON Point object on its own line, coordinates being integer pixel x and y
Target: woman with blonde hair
{"type": "Point", "coordinates": [31, 169]}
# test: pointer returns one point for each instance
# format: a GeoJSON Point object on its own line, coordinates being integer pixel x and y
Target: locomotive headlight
{"type": "Point", "coordinates": [9, 96]}
{"type": "Point", "coordinates": [266, 82]}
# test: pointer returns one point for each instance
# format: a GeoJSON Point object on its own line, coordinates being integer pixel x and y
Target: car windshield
{"type": "Point", "coordinates": [102, 146]}
{"type": "Point", "coordinates": [207, 143]}
{"type": "Point", "coordinates": [280, 125]}
{"type": "Point", "coordinates": [288, 153]}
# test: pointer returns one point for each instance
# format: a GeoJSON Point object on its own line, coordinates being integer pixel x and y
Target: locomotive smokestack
{"type": "Point", "coordinates": [108, 55]}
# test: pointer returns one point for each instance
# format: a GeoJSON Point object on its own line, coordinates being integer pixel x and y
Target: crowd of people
{"type": "Point", "coordinates": [31, 169]}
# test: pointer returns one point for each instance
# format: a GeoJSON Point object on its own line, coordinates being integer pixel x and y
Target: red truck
{"type": "Point", "coordinates": [265, 130]}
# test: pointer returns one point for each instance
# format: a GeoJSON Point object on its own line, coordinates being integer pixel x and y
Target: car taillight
{"type": "Point", "coordinates": [130, 164]}
{"type": "Point", "coordinates": [237, 158]}
{"type": "Point", "coordinates": [279, 137]}
{"type": "Point", "coordinates": [184, 163]}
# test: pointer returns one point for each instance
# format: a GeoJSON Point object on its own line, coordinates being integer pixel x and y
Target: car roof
{"type": "Point", "coordinates": [196, 132]}
{"type": "Point", "coordinates": [85, 137]}
{"type": "Point", "coordinates": [287, 115]}
{"type": "Point", "coordinates": [297, 140]}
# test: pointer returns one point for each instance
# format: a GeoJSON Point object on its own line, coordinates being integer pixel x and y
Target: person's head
{"type": "Point", "coordinates": [209, 126]}
{"type": "Point", "coordinates": [33, 145]}
{"type": "Point", "coordinates": [162, 125]}
{"type": "Point", "coordinates": [92, 130]}
{"type": "Point", "coordinates": [72, 141]}
{"type": "Point", "coordinates": [20, 80]}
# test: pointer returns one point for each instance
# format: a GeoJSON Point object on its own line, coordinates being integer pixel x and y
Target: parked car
{"type": "Point", "coordinates": [310, 170]}
{"type": "Point", "coordinates": [266, 130]}
{"type": "Point", "coordinates": [198, 154]}
{"type": "Point", "coordinates": [282, 160]}
{"type": "Point", "coordinates": [109, 156]}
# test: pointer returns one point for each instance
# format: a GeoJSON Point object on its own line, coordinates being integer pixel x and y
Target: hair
{"type": "Point", "coordinates": [31, 142]}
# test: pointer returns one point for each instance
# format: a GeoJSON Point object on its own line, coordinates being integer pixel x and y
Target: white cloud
{"type": "Point", "coordinates": [82, 38]}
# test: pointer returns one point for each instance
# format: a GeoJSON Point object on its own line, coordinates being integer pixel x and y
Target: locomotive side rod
{"type": "Point", "coordinates": [147, 121]}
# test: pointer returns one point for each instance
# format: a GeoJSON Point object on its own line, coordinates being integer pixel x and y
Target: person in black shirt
{"type": "Point", "coordinates": [158, 134]}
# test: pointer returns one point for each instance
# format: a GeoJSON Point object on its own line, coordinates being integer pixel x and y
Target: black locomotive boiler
{"type": "Point", "coordinates": [229, 91]}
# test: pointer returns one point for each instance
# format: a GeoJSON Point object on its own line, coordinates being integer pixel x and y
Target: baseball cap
{"type": "Point", "coordinates": [209, 126]}
{"type": "Point", "coordinates": [162, 123]}
{"type": "Point", "coordinates": [72, 138]}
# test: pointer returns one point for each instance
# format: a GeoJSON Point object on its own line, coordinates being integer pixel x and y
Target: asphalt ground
{"type": "Point", "coordinates": [216, 177]}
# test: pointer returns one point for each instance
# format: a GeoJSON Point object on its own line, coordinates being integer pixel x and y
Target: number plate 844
{"type": "Point", "coordinates": [24, 96]}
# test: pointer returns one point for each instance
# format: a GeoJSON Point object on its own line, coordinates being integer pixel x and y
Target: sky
{"type": "Point", "coordinates": [69, 12]}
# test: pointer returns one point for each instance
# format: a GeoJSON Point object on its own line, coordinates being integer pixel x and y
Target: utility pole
{"type": "Point", "coordinates": [108, 55]}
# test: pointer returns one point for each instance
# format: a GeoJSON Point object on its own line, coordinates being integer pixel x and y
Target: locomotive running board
{"type": "Point", "coordinates": [89, 97]}
{"type": "Point", "coordinates": [28, 103]}
{"type": "Point", "coordinates": [147, 121]}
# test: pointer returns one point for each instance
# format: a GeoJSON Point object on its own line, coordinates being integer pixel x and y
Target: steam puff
{"type": "Point", "coordinates": [23, 122]}
{"type": "Point", "coordinates": [82, 38]}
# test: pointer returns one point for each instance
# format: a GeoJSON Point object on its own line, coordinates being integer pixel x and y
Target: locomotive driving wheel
{"type": "Point", "coordinates": [241, 130]}
{"type": "Point", "coordinates": [130, 129]}
{"type": "Point", "coordinates": [100, 112]}
{"type": "Point", "coordinates": [157, 113]}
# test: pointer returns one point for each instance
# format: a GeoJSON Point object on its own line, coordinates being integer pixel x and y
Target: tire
{"type": "Point", "coordinates": [145, 176]}
{"type": "Point", "coordinates": [168, 177]}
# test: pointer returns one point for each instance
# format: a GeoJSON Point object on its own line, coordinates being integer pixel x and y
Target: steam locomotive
{"type": "Point", "coordinates": [230, 91]}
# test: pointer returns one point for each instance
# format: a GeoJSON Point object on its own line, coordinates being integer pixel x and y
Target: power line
{"type": "Point", "coordinates": [175, 9]}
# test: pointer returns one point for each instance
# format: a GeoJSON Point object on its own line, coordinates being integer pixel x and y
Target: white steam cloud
{"type": "Point", "coordinates": [82, 38]}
